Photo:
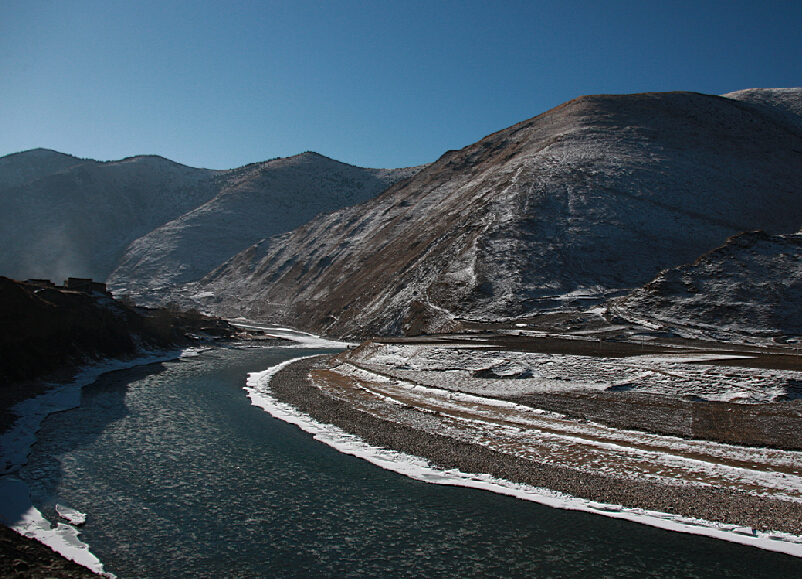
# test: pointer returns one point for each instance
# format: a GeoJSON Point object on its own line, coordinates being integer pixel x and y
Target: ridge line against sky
{"type": "Point", "coordinates": [373, 84]}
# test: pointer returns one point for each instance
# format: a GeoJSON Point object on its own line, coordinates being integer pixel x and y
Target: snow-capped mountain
{"type": "Point", "coordinates": [259, 201]}
{"type": "Point", "coordinates": [750, 285]}
{"type": "Point", "coordinates": [63, 216]}
{"type": "Point", "coordinates": [582, 203]}
{"type": "Point", "coordinates": [145, 222]}
{"type": "Point", "coordinates": [591, 198]}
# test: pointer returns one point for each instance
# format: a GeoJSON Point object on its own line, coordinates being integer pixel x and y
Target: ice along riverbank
{"type": "Point", "coordinates": [174, 460]}
{"type": "Point", "coordinates": [261, 393]}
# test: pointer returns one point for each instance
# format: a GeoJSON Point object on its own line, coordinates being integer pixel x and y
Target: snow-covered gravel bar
{"type": "Point", "coordinates": [427, 401]}
{"type": "Point", "coordinates": [515, 373]}
{"type": "Point", "coordinates": [555, 439]}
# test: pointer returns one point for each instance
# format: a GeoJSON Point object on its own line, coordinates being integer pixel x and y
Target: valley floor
{"type": "Point", "coordinates": [553, 419]}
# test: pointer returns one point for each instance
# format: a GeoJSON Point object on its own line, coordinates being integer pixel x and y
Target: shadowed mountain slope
{"type": "Point", "coordinates": [751, 285]}
{"type": "Point", "coordinates": [20, 168]}
{"type": "Point", "coordinates": [63, 216]}
{"type": "Point", "coordinates": [145, 223]}
{"type": "Point", "coordinates": [595, 196]}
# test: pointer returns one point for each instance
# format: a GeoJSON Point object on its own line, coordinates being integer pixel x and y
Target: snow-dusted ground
{"type": "Point", "coordinates": [517, 373]}
{"type": "Point", "coordinates": [552, 438]}
{"type": "Point", "coordinates": [748, 288]}
{"type": "Point", "coordinates": [507, 427]}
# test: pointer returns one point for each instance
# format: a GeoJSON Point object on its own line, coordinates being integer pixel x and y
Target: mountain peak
{"type": "Point", "coordinates": [592, 197]}
{"type": "Point", "coordinates": [19, 168]}
{"type": "Point", "coordinates": [41, 152]}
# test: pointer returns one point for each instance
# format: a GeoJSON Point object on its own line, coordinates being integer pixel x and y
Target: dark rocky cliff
{"type": "Point", "coordinates": [47, 329]}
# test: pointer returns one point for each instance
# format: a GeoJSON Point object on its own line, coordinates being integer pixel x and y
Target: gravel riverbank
{"type": "Point", "coordinates": [292, 385]}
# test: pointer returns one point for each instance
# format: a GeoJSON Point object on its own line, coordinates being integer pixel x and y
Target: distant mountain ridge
{"type": "Point", "coordinates": [783, 105]}
{"type": "Point", "coordinates": [20, 168]}
{"type": "Point", "coordinates": [578, 205]}
{"type": "Point", "coordinates": [146, 222]}
{"type": "Point", "coordinates": [68, 217]}
{"type": "Point", "coordinates": [262, 200]}
{"type": "Point", "coordinates": [591, 198]}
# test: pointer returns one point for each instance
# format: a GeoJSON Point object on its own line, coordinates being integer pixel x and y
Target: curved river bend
{"type": "Point", "coordinates": [181, 477]}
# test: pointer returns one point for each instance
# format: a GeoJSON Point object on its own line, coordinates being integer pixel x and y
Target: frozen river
{"type": "Point", "coordinates": [180, 476]}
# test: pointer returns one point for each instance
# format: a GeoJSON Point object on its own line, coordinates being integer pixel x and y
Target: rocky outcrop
{"type": "Point", "coordinates": [48, 329]}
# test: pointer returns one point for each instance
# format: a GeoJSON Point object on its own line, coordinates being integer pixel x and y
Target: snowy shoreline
{"type": "Point", "coordinates": [262, 395]}
{"type": "Point", "coordinates": [17, 511]}
{"type": "Point", "coordinates": [64, 538]}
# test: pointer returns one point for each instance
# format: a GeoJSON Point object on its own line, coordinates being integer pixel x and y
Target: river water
{"type": "Point", "coordinates": [180, 476]}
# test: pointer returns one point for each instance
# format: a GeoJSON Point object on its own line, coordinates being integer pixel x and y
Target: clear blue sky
{"type": "Point", "coordinates": [372, 83]}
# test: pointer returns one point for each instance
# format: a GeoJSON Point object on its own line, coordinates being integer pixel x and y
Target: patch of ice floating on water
{"type": "Point", "coordinates": [17, 512]}
{"type": "Point", "coordinates": [258, 388]}
{"type": "Point", "coordinates": [71, 515]}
